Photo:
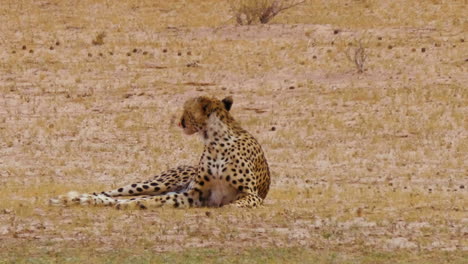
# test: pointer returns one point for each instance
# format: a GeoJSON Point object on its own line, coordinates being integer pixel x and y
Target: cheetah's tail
{"type": "Point", "coordinates": [75, 198]}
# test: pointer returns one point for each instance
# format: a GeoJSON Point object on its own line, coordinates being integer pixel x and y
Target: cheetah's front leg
{"type": "Point", "coordinates": [176, 200]}
{"type": "Point", "coordinates": [75, 198]}
{"type": "Point", "coordinates": [173, 180]}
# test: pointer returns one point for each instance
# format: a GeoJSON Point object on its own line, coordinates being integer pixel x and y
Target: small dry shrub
{"type": "Point", "coordinates": [357, 55]}
{"type": "Point", "coordinates": [99, 39]}
{"type": "Point", "coordinates": [249, 12]}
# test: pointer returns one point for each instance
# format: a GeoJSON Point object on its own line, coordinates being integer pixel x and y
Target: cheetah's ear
{"type": "Point", "coordinates": [227, 103]}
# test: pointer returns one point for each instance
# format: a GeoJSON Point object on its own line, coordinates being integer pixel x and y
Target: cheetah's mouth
{"type": "Point", "coordinates": [189, 131]}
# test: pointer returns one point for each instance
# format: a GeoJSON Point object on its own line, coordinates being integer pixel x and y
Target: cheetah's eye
{"type": "Point", "coordinates": [182, 122]}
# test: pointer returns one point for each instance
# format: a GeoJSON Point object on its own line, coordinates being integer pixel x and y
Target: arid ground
{"type": "Point", "coordinates": [367, 167]}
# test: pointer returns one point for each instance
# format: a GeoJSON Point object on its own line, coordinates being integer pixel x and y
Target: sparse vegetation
{"type": "Point", "coordinates": [366, 168]}
{"type": "Point", "coordinates": [357, 55]}
{"type": "Point", "coordinates": [249, 12]}
{"type": "Point", "coordinates": [99, 39]}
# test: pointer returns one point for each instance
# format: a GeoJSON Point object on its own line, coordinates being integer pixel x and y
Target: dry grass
{"type": "Point", "coordinates": [357, 55]}
{"type": "Point", "coordinates": [367, 168]}
{"type": "Point", "coordinates": [248, 12]}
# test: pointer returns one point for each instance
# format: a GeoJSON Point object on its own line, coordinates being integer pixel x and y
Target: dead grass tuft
{"type": "Point", "coordinates": [357, 55]}
{"type": "Point", "coordinates": [249, 12]}
{"type": "Point", "coordinates": [99, 39]}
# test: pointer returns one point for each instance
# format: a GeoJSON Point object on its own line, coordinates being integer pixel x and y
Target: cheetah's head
{"type": "Point", "coordinates": [197, 111]}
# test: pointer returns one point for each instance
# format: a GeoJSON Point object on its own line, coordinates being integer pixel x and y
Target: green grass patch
{"type": "Point", "coordinates": [257, 255]}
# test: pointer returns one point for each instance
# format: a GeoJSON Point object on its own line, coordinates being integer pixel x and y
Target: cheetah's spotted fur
{"type": "Point", "coordinates": [232, 168]}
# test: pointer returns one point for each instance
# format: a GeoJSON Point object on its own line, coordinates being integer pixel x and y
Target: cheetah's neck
{"type": "Point", "coordinates": [216, 130]}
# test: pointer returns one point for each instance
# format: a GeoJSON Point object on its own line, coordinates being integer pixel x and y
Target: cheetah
{"type": "Point", "coordinates": [232, 169]}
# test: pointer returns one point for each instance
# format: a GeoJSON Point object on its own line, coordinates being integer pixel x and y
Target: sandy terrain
{"type": "Point", "coordinates": [366, 167]}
